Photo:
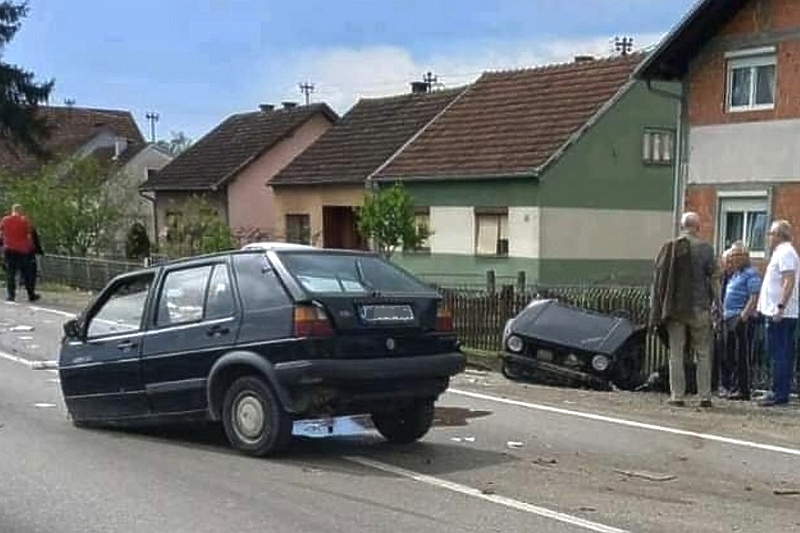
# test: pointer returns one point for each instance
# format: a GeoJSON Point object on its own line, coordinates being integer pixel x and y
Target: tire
{"type": "Point", "coordinates": [406, 425]}
{"type": "Point", "coordinates": [512, 371]}
{"type": "Point", "coordinates": [254, 420]}
{"type": "Point", "coordinates": [627, 372]}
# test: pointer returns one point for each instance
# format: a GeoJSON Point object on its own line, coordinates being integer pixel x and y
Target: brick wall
{"type": "Point", "coordinates": [786, 205]}
{"type": "Point", "coordinates": [703, 200]}
{"type": "Point", "coordinates": [706, 80]}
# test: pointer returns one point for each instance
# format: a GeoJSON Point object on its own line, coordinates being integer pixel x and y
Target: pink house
{"type": "Point", "coordinates": [232, 165]}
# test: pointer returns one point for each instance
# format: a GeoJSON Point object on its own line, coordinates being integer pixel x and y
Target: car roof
{"type": "Point", "coordinates": [268, 245]}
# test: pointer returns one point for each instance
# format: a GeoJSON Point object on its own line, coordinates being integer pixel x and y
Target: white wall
{"type": "Point", "coordinates": [523, 232]}
{"type": "Point", "coordinates": [760, 151]}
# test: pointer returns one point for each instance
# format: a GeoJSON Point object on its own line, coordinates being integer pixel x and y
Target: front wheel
{"type": "Point", "coordinates": [254, 420]}
{"type": "Point", "coordinates": [405, 425]}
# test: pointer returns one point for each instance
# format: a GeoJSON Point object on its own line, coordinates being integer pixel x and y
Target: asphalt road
{"type": "Point", "coordinates": [532, 463]}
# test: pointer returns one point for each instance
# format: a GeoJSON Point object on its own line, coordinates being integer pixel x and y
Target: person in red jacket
{"type": "Point", "coordinates": [16, 232]}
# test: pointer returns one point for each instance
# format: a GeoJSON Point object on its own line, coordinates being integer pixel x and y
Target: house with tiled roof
{"type": "Point", "coordinates": [112, 137]}
{"type": "Point", "coordinates": [316, 194]}
{"type": "Point", "coordinates": [737, 65]}
{"type": "Point", "coordinates": [564, 172]}
{"type": "Point", "coordinates": [232, 164]}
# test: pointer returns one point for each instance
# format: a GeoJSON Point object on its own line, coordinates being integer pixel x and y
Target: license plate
{"type": "Point", "coordinates": [386, 313]}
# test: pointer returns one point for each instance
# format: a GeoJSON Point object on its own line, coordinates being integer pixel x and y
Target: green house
{"type": "Point", "coordinates": [564, 172]}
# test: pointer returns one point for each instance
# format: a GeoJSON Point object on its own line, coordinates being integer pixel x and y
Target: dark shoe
{"type": "Point", "coordinates": [10, 298]}
{"type": "Point", "coordinates": [676, 403]}
{"type": "Point", "coordinates": [706, 404]}
{"type": "Point", "coordinates": [34, 297]}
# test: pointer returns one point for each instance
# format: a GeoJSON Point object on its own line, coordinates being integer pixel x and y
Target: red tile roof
{"type": "Point", "coordinates": [510, 123]}
{"type": "Point", "coordinates": [364, 139]}
{"type": "Point", "coordinates": [232, 145]}
{"type": "Point", "coordinates": [71, 129]}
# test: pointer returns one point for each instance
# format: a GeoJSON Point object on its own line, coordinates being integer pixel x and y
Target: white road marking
{"type": "Point", "coordinates": [493, 498]}
{"type": "Point", "coordinates": [14, 358]}
{"type": "Point", "coordinates": [629, 423]}
{"type": "Point", "coordinates": [50, 366]}
{"type": "Point", "coordinates": [54, 311]}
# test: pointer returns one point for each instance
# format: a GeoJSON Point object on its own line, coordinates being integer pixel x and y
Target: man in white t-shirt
{"type": "Point", "coordinates": [778, 302]}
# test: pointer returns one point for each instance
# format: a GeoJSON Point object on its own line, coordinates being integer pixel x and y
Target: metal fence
{"type": "Point", "coordinates": [480, 310]}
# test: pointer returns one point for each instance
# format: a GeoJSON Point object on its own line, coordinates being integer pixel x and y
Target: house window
{"type": "Point", "coordinates": [151, 173]}
{"type": "Point", "coordinates": [744, 219]}
{"type": "Point", "coordinates": [491, 231]}
{"type": "Point", "coordinates": [658, 146]}
{"type": "Point", "coordinates": [751, 81]}
{"type": "Point", "coordinates": [422, 217]}
{"type": "Point", "coordinates": [298, 229]}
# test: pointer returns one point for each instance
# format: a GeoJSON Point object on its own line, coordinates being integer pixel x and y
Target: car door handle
{"type": "Point", "coordinates": [126, 346]}
{"type": "Point", "coordinates": [217, 330]}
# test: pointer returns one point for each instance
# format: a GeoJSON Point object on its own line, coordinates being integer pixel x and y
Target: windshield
{"type": "Point", "coordinates": [328, 272]}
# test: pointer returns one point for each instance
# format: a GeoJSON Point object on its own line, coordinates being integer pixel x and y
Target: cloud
{"type": "Point", "coordinates": [343, 75]}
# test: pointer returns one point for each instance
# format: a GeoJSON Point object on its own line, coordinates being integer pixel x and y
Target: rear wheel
{"type": "Point", "coordinates": [254, 421]}
{"type": "Point", "coordinates": [405, 425]}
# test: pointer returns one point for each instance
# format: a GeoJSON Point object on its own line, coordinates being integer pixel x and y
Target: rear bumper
{"type": "Point", "coordinates": [340, 371]}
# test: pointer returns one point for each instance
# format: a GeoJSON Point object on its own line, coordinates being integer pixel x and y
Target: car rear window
{"type": "Point", "coordinates": [322, 272]}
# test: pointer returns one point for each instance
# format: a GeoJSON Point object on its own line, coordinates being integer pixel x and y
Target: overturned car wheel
{"type": "Point", "coordinates": [405, 425]}
{"type": "Point", "coordinates": [254, 421]}
{"type": "Point", "coordinates": [627, 371]}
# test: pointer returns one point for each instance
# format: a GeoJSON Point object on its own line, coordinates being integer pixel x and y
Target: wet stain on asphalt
{"type": "Point", "coordinates": [456, 416]}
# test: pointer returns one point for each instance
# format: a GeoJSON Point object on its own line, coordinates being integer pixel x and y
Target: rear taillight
{"type": "Point", "coordinates": [311, 321]}
{"type": "Point", "coordinates": [444, 318]}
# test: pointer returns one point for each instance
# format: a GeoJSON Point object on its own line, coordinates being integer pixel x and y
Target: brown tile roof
{"type": "Point", "coordinates": [510, 123]}
{"type": "Point", "coordinates": [232, 145]}
{"type": "Point", "coordinates": [71, 129]}
{"type": "Point", "coordinates": [368, 135]}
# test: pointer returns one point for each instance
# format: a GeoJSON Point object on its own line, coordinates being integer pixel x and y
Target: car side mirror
{"type": "Point", "coordinates": [72, 329]}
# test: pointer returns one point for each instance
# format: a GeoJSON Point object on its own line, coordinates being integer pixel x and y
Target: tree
{"type": "Point", "coordinates": [177, 143]}
{"type": "Point", "coordinates": [20, 94]}
{"type": "Point", "coordinates": [387, 219]}
{"type": "Point", "coordinates": [71, 205]}
{"type": "Point", "coordinates": [137, 243]}
{"type": "Point", "coordinates": [196, 228]}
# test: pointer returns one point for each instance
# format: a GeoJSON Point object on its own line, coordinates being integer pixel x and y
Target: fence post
{"type": "Point", "coordinates": [491, 281]}
{"type": "Point", "coordinates": [521, 281]}
{"type": "Point", "coordinates": [88, 286]}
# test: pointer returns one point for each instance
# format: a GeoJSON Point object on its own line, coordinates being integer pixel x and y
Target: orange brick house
{"type": "Point", "coordinates": [739, 64]}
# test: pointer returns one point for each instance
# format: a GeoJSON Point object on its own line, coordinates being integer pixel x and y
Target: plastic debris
{"type": "Point", "coordinates": [514, 444]}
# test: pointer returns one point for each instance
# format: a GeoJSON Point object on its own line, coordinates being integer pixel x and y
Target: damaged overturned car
{"type": "Point", "coordinates": [556, 343]}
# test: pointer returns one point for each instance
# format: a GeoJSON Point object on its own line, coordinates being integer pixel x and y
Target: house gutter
{"type": "Point", "coordinates": [678, 182]}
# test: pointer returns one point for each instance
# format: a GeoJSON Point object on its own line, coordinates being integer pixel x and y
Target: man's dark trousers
{"type": "Point", "coordinates": [780, 341]}
{"type": "Point", "coordinates": [738, 336]}
{"type": "Point", "coordinates": [17, 262]}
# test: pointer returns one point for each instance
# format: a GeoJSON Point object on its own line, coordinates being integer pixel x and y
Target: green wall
{"type": "Point", "coordinates": [604, 168]}
{"type": "Point", "coordinates": [464, 270]}
{"type": "Point", "coordinates": [517, 192]}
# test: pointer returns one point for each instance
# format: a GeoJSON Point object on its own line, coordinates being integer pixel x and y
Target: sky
{"type": "Point", "coordinates": [194, 62]}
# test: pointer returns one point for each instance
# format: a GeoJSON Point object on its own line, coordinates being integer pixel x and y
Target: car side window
{"type": "Point", "coordinates": [219, 302]}
{"type": "Point", "coordinates": [123, 309]}
{"type": "Point", "coordinates": [259, 286]}
{"type": "Point", "coordinates": [182, 296]}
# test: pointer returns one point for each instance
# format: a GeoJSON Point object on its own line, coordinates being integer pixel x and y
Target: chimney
{"type": "Point", "coordinates": [584, 59]}
{"type": "Point", "coordinates": [120, 144]}
{"type": "Point", "coordinates": [289, 105]}
{"type": "Point", "coordinates": [419, 87]}
{"type": "Point", "coordinates": [266, 108]}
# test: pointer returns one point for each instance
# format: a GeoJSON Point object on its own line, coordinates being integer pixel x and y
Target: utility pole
{"type": "Point", "coordinates": [307, 89]}
{"type": "Point", "coordinates": [430, 80]}
{"type": "Point", "coordinates": [69, 102]}
{"type": "Point", "coordinates": [623, 45]}
{"type": "Point", "coordinates": [152, 117]}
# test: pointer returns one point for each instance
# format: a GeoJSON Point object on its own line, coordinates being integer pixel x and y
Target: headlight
{"type": "Point", "coordinates": [600, 362]}
{"type": "Point", "coordinates": [515, 344]}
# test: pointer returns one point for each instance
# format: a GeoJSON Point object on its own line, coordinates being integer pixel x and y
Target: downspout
{"type": "Point", "coordinates": [152, 200]}
{"type": "Point", "coordinates": [678, 183]}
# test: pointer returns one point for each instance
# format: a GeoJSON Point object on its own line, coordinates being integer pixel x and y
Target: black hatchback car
{"type": "Point", "coordinates": [258, 339]}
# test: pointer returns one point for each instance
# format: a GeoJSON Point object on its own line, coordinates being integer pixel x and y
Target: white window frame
{"type": "Point", "coordinates": [741, 203]}
{"type": "Point", "coordinates": [752, 59]}
{"type": "Point", "coordinates": [661, 140]}
{"type": "Point", "coordinates": [502, 229]}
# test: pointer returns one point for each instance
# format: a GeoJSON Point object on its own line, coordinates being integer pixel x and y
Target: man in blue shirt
{"type": "Point", "coordinates": [739, 309]}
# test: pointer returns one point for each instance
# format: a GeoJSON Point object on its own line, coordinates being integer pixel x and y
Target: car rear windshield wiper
{"type": "Point", "coordinates": [363, 280]}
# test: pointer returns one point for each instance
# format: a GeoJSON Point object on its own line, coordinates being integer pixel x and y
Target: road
{"type": "Point", "coordinates": [502, 457]}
